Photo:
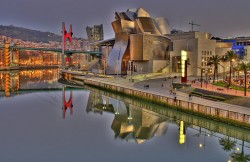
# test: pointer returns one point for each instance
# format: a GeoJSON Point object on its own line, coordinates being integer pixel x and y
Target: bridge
{"type": "Point", "coordinates": [14, 59]}
{"type": "Point", "coordinates": [58, 50]}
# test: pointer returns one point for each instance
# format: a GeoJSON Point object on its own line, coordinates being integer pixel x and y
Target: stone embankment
{"type": "Point", "coordinates": [236, 115]}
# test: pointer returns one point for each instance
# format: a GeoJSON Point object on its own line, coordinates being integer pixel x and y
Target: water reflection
{"type": "Point", "coordinates": [240, 156]}
{"type": "Point", "coordinates": [38, 127]}
{"type": "Point", "coordinates": [136, 121]}
{"type": "Point", "coordinates": [130, 123]}
{"type": "Point", "coordinates": [11, 82]}
{"type": "Point", "coordinates": [67, 104]}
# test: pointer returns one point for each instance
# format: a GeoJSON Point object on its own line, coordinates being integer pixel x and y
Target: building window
{"type": "Point", "coordinates": [176, 64]}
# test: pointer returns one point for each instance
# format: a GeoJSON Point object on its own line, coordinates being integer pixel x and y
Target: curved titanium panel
{"type": "Point", "coordinates": [148, 47]}
{"type": "Point", "coordinates": [117, 53]}
{"type": "Point", "coordinates": [138, 37]}
{"type": "Point", "coordinates": [163, 25]}
{"type": "Point", "coordinates": [142, 13]}
{"type": "Point", "coordinates": [147, 25]}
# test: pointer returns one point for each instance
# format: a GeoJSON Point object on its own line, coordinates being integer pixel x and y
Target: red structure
{"type": "Point", "coordinates": [67, 35]}
{"type": "Point", "coordinates": [67, 104]}
{"type": "Point", "coordinates": [184, 79]}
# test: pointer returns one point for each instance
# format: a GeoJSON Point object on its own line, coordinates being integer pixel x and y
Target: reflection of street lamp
{"type": "Point", "coordinates": [129, 115]}
{"type": "Point", "coordinates": [203, 145]}
{"type": "Point", "coordinates": [117, 107]}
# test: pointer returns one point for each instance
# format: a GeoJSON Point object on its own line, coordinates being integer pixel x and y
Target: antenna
{"type": "Point", "coordinates": [193, 24]}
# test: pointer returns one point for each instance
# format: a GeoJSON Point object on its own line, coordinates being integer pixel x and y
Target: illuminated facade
{"type": "Point", "coordinates": [184, 58]}
{"type": "Point", "coordinates": [140, 44]}
{"type": "Point", "coordinates": [199, 48]}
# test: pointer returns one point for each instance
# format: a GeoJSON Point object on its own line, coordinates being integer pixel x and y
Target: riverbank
{"type": "Point", "coordinates": [28, 67]}
{"type": "Point", "coordinates": [157, 92]}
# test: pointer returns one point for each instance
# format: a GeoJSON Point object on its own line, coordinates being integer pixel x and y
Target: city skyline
{"type": "Point", "coordinates": [222, 19]}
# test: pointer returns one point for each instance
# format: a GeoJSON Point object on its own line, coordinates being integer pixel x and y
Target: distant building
{"type": "Point", "coordinates": [240, 44]}
{"type": "Point", "coordinates": [95, 34]}
{"type": "Point", "coordinates": [175, 31]}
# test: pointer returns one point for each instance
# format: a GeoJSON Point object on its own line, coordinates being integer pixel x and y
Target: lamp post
{"type": "Point", "coordinates": [201, 76]}
{"type": "Point", "coordinates": [230, 71]}
{"type": "Point", "coordinates": [104, 67]}
{"type": "Point", "coordinates": [206, 71]}
{"type": "Point", "coordinates": [117, 68]}
{"type": "Point", "coordinates": [223, 71]}
{"type": "Point", "coordinates": [130, 69]}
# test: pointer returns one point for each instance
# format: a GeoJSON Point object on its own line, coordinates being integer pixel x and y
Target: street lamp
{"type": "Point", "coordinates": [130, 69]}
{"type": "Point", "coordinates": [201, 76]}
{"type": "Point", "coordinates": [117, 67]}
{"type": "Point", "coordinates": [223, 71]}
{"type": "Point", "coordinates": [104, 70]}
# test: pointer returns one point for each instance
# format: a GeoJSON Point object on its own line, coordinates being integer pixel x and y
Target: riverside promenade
{"type": "Point", "coordinates": [158, 90]}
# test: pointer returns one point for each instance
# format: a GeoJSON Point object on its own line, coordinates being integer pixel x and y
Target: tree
{"type": "Point", "coordinates": [237, 69]}
{"type": "Point", "coordinates": [230, 57]}
{"type": "Point", "coordinates": [240, 156]}
{"type": "Point", "coordinates": [244, 67]}
{"type": "Point", "coordinates": [215, 60]}
{"type": "Point", "coordinates": [227, 144]}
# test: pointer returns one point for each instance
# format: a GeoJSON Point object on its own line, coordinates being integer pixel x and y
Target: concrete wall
{"type": "Point", "coordinates": [142, 67]}
{"type": "Point", "coordinates": [187, 106]}
{"type": "Point", "coordinates": [158, 65]}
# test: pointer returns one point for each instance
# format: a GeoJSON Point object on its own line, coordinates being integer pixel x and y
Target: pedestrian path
{"type": "Point", "coordinates": [162, 87]}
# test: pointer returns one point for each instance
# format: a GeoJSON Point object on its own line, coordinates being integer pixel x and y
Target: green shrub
{"type": "Point", "coordinates": [215, 97]}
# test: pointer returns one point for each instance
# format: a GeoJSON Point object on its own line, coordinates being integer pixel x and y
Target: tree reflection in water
{"type": "Point", "coordinates": [240, 156]}
{"type": "Point", "coordinates": [227, 144]}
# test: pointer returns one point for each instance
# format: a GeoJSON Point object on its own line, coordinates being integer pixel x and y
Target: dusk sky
{"type": "Point", "coordinates": [222, 18]}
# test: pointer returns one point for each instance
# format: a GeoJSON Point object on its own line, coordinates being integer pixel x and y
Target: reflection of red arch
{"type": "Point", "coordinates": [67, 104]}
{"type": "Point", "coordinates": [68, 60]}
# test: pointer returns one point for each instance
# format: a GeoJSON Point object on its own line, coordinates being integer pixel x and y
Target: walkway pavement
{"type": "Point", "coordinates": [161, 86]}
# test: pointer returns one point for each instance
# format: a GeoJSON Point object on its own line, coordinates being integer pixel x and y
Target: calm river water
{"type": "Point", "coordinates": [42, 120]}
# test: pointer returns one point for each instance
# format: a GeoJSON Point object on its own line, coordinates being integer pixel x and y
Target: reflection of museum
{"type": "Point", "coordinates": [130, 122]}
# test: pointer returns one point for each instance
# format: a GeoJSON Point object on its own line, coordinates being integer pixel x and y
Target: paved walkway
{"type": "Point", "coordinates": [161, 86]}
